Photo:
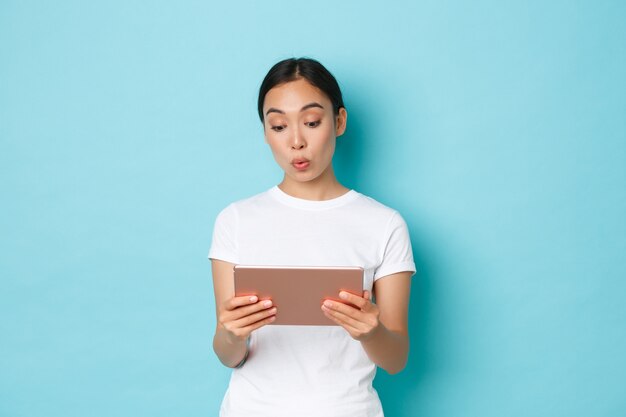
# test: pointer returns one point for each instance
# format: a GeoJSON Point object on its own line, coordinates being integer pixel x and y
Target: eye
{"type": "Point", "coordinates": [313, 124]}
{"type": "Point", "coordinates": [279, 128]}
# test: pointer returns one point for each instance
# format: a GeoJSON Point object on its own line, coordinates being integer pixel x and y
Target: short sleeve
{"type": "Point", "coordinates": [398, 253]}
{"type": "Point", "coordinates": [224, 243]}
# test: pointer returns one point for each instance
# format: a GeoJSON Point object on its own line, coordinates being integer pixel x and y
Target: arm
{"type": "Point", "coordinates": [237, 317]}
{"type": "Point", "coordinates": [382, 328]}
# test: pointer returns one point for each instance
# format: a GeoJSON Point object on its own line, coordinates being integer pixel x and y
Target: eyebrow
{"type": "Point", "coordinates": [308, 106]}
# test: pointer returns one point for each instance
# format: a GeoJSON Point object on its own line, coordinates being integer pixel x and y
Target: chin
{"type": "Point", "coordinates": [304, 176]}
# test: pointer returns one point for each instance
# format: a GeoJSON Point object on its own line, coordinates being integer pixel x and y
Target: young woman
{"type": "Point", "coordinates": [309, 219]}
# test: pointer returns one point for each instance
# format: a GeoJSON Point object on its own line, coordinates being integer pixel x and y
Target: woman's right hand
{"type": "Point", "coordinates": [240, 316]}
{"type": "Point", "coordinates": [237, 317]}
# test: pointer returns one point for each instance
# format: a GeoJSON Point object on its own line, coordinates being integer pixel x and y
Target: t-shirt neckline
{"type": "Point", "coordinates": [302, 203]}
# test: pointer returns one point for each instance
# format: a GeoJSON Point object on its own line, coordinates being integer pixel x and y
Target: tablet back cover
{"type": "Point", "coordinates": [298, 292]}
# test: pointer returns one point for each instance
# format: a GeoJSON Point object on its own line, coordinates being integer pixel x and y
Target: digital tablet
{"type": "Point", "coordinates": [298, 292]}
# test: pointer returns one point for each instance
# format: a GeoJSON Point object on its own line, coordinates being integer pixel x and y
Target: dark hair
{"type": "Point", "coordinates": [292, 69]}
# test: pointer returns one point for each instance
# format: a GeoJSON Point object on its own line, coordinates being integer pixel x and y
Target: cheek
{"type": "Point", "coordinates": [276, 148]}
{"type": "Point", "coordinates": [328, 141]}
{"type": "Point", "coordinates": [322, 135]}
{"type": "Point", "coordinates": [330, 149]}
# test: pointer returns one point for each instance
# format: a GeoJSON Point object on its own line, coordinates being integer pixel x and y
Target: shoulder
{"type": "Point", "coordinates": [374, 208]}
{"type": "Point", "coordinates": [255, 201]}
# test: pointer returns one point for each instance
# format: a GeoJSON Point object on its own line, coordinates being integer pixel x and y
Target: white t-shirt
{"type": "Point", "coordinates": [309, 370]}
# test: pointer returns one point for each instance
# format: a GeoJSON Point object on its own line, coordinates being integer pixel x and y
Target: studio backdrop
{"type": "Point", "coordinates": [498, 130]}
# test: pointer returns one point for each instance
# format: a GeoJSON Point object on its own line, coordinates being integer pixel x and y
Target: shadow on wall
{"type": "Point", "coordinates": [397, 392]}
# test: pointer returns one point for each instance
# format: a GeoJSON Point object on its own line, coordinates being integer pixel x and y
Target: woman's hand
{"type": "Point", "coordinates": [239, 316]}
{"type": "Point", "coordinates": [361, 322]}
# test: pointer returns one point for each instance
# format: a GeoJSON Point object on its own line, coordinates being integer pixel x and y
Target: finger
{"type": "Point", "coordinates": [249, 329]}
{"type": "Point", "coordinates": [235, 302]}
{"type": "Point", "coordinates": [253, 306]}
{"type": "Point", "coordinates": [344, 308]}
{"type": "Point", "coordinates": [253, 318]}
{"type": "Point", "coordinates": [344, 318]}
{"type": "Point", "coordinates": [337, 319]}
{"type": "Point", "coordinates": [244, 311]}
{"type": "Point", "coordinates": [360, 302]}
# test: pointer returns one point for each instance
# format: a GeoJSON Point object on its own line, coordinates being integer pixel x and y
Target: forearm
{"type": "Point", "coordinates": [387, 349]}
{"type": "Point", "coordinates": [229, 352]}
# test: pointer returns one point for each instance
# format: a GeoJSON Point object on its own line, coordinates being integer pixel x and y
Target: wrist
{"type": "Point", "coordinates": [245, 356]}
{"type": "Point", "coordinates": [229, 337]}
{"type": "Point", "coordinates": [376, 332]}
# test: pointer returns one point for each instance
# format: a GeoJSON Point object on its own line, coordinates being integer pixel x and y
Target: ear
{"type": "Point", "coordinates": [340, 122]}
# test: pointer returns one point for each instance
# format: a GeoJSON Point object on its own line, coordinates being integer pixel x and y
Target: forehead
{"type": "Point", "coordinates": [291, 96]}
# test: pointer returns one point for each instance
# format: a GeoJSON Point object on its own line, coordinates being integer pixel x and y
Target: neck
{"type": "Point", "coordinates": [324, 187]}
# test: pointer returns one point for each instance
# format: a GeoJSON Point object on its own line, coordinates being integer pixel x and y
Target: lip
{"type": "Point", "coordinates": [300, 163]}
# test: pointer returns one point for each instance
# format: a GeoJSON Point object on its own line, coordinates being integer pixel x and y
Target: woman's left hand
{"type": "Point", "coordinates": [361, 322]}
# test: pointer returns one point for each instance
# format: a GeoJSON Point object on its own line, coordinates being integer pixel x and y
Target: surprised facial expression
{"type": "Point", "coordinates": [301, 129]}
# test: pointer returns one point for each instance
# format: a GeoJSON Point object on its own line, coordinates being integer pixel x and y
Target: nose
{"type": "Point", "coordinates": [297, 140]}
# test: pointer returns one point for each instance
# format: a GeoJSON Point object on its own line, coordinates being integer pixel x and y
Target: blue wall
{"type": "Point", "coordinates": [498, 129]}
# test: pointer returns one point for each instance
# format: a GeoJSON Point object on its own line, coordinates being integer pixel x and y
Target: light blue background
{"type": "Point", "coordinates": [498, 129]}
